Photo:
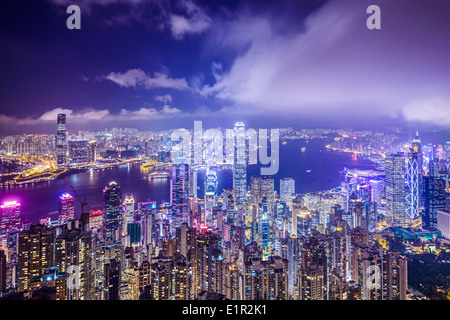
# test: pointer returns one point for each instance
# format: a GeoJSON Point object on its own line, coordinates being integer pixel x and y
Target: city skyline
{"type": "Point", "coordinates": [154, 65]}
{"type": "Point", "coordinates": [225, 150]}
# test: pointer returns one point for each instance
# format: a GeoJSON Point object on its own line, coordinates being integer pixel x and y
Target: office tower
{"type": "Point", "coordinates": [296, 215]}
{"type": "Point", "coordinates": [287, 190]}
{"type": "Point", "coordinates": [78, 151]}
{"type": "Point", "coordinates": [9, 218]}
{"type": "Point", "coordinates": [239, 164]}
{"type": "Point", "coordinates": [434, 200]}
{"type": "Point", "coordinates": [376, 191]}
{"type": "Point", "coordinates": [417, 149]}
{"type": "Point", "coordinates": [268, 192]}
{"type": "Point", "coordinates": [112, 212]}
{"type": "Point", "coordinates": [127, 213]}
{"type": "Point", "coordinates": [179, 194]}
{"type": "Point", "coordinates": [443, 223]}
{"type": "Point", "coordinates": [112, 280]}
{"type": "Point", "coordinates": [395, 189]}
{"type": "Point", "coordinates": [255, 190]}
{"type": "Point", "coordinates": [61, 148]}
{"type": "Point", "coordinates": [66, 207]}
{"type": "Point", "coordinates": [36, 253]}
{"type": "Point", "coordinates": [412, 186]}
{"type": "Point", "coordinates": [210, 195]}
{"type": "Point", "coordinates": [193, 182]}
{"type": "Point", "coordinates": [92, 152]}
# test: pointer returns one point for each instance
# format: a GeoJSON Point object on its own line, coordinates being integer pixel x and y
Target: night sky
{"type": "Point", "coordinates": [155, 64]}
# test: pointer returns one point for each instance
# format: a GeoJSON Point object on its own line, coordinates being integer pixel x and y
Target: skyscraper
{"type": "Point", "coordinates": [66, 207]}
{"type": "Point", "coordinates": [112, 211]}
{"type": "Point", "coordinates": [239, 164]}
{"type": "Point", "coordinates": [395, 189]}
{"type": "Point", "coordinates": [412, 185]}
{"type": "Point", "coordinates": [287, 189]}
{"type": "Point", "coordinates": [9, 218]}
{"type": "Point", "coordinates": [78, 151]}
{"type": "Point", "coordinates": [179, 194]}
{"type": "Point", "coordinates": [434, 200]}
{"type": "Point", "coordinates": [61, 148]}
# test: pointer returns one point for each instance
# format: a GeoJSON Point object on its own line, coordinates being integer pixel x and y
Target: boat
{"type": "Point", "coordinates": [308, 171]}
{"type": "Point", "coordinates": [303, 149]}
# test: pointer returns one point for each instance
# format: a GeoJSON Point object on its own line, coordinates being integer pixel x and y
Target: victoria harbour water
{"type": "Point", "coordinates": [315, 169]}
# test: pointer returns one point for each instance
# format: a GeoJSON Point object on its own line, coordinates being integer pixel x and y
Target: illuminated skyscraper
{"type": "Point", "coordinates": [36, 253]}
{"type": "Point", "coordinates": [239, 164]}
{"type": "Point", "coordinates": [66, 207]}
{"type": "Point", "coordinates": [127, 213]}
{"type": "Point", "coordinates": [412, 185]}
{"type": "Point", "coordinates": [179, 194]}
{"type": "Point", "coordinates": [92, 152]}
{"type": "Point", "coordinates": [112, 211]}
{"type": "Point", "coordinates": [395, 189]}
{"type": "Point", "coordinates": [287, 189]}
{"type": "Point", "coordinates": [78, 151]}
{"type": "Point", "coordinates": [9, 218]}
{"type": "Point", "coordinates": [61, 147]}
{"type": "Point", "coordinates": [434, 200]}
{"type": "Point", "coordinates": [268, 192]}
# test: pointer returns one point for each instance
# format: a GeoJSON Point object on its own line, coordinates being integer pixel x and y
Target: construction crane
{"type": "Point", "coordinates": [82, 203]}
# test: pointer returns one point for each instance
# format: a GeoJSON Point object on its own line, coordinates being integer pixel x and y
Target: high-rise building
{"type": "Point", "coordinates": [36, 253]}
{"type": "Point", "coordinates": [179, 194]}
{"type": "Point", "coordinates": [239, 164]}
{"type": "Point", "coordinates": [73, 247]}
{"type": "Point", "coordinates": [443, 223]}
{"type": "Point", "coordinates": [127, 213]}
{"type": "Point", "coordinates": [287, 189]}
{"type": "Point", "coordinates": [395, 189]}
{"type": "Point", "coordinates": [92, 152]}
{"type": "Point", "coordinates": [268, 192]}
{"type": "Point", "coordinates": [61, 148]}
{"type": "Point", "coordinates": [112, 280]}
{"type": "Point", "coordinates": [412, 186]}
{"type": "Point", "coordinates": [9, 218]}
{"type": "Point", "coordinates": [112, 212]}
{"type": "Point", "coordinates": [66, 207]}
{"type": "Point", "coordinates": [434, 200]}
{"type": "Point", "coordinates": [78, 151]}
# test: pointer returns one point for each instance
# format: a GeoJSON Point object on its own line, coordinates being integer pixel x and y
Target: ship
{"type": "Point", "coordinates": [303, 149]}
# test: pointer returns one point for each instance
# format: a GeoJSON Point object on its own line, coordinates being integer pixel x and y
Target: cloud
{"type": "Point", "coordinates": [335, 65]}
{"type": "Point", "coordinates": [165, 98]}
{"type": "Point", "coordinates": [436, 111]}
{"type": "Point", "coordinates": [89, 115]}
{"type": "Point", "coordinates": [136, 78]}
{"type": "Point", "coordinates": [194, 20]}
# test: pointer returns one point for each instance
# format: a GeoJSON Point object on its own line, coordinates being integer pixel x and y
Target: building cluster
{"type": "Point", "coordinates": [249, 242]}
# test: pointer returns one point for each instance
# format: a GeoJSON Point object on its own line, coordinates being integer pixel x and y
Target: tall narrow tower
{"type": "Point", "coordinates": [239, 164]}
{"type": "Point", "coordinates": [61, 147]}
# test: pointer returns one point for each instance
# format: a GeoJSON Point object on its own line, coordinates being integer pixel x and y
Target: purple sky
{"type": "Point", "coordinates": [152, 63]}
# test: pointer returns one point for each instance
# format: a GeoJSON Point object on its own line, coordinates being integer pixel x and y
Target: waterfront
{"type": "Point", "coordinates": [315, 169]}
